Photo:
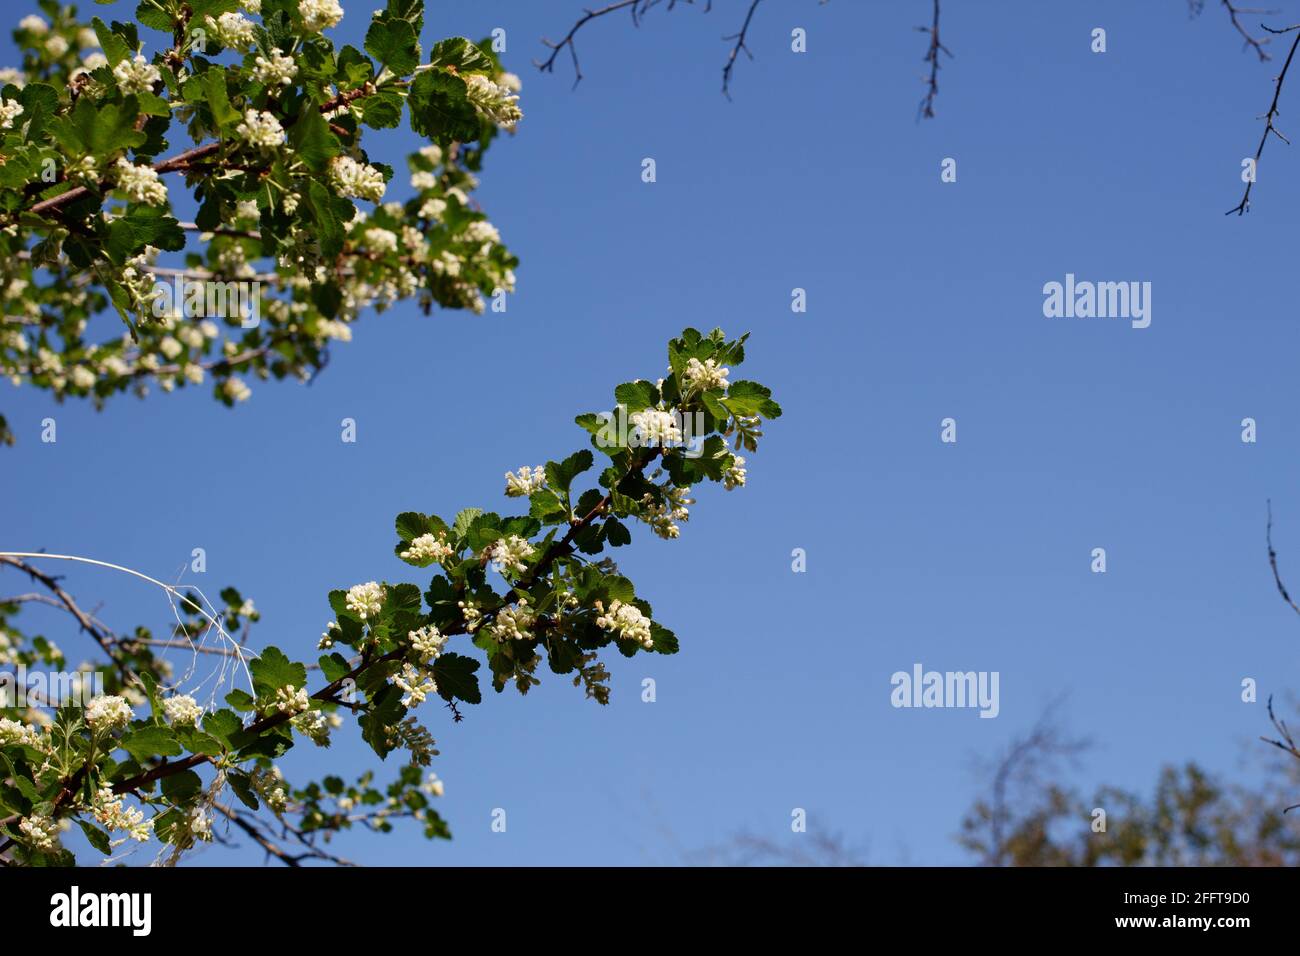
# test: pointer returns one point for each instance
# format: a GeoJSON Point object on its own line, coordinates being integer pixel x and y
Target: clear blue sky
{"type": "Point", "coordinates": [925, 301]}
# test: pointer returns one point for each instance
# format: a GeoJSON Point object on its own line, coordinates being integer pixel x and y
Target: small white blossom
{"type": "Point", "coordinates": [291, 700]}
{"type": "Point", "coordinates": [526, 482]}
{"type": "Point", "coordinates": [108, 713]}
{"type": "Point", "coordinates": [655, 427]}
{"type": "Point", "coordinates": [320, 15]}
{"type": "Point", "coordinates": [279, 69]}
{"type": "Point", "coordinates": [356, 180]}
{"type": "Point", "coordinates": [508, 554]}
{"type": "Point", "coordinates": [432, 785]}
{"type": "Point", "coordinates": [366, 600]}
{"type": "Point", "coordinates": [34, 24]}
{"type": "Point", "coordinates": [232, 30]}
{"type": "Point", "coordinates": [627, 621]}
{"type": "Point", "coordinates": [428, 547]}
{"type": "Point", "coordinates": [136, 75]}
{"type": "Point", "coordinates": [701, 376]}
{"type": "Point", "coordinates": [10, 110]}
{"type": "Point", "coordinates": [236, 390]}
{"type": "Point", "coordinates": [261, 129]}
{"type": "Point", "coordinates": [734, 477]}
{"type": "Point", "coordinates": [427, 642]}
{"type": "Point", "coordinates": [41, 831]}
{"type": "Point", "coordinates": [140, 183]}
{"type": "Point", "coordinates": [182, 709]}
{"type": "Point", "coordinates": [495, 102]}
{"type": "Point", "coordinates": [416, 684]}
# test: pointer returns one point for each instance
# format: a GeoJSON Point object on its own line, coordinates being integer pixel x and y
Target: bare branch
{"type": "Point", "coordinates": [1272, 113]}
{"type": "Point", "coordinates": [926, 108]}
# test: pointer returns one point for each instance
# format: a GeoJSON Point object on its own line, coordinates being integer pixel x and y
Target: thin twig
{"type": "Point", "coordinates": [1272, 113]}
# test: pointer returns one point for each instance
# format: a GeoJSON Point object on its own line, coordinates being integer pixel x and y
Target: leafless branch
{"type": "Point", "coordinates": [737, 47]}
{"type": "Point", "coordinates": [1268, 117]}
{"type": "Point", "coordinates": [932, 57]}
{"type": "Point", "coordinates": [1272, 561]}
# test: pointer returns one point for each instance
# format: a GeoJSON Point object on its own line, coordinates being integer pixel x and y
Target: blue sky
{"type": "Point", "coordinates": [924, 302]}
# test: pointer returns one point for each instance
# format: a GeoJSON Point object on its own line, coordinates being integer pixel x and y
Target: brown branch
{"type": "Point", "coordinates": [548, 66]}
{"type": "Point", "coordinates": [926, 108]}
{"type": "Point", "coordinates": [1272, 561]}
{"type": "Point", "coordinates": [1252, 42]}
{"type": "Point", "coordinates": [1268, 117]}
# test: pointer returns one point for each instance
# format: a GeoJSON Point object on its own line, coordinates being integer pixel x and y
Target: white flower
{"type": "Point", "coordinates": [327, 636]}
{"type": "Point", "coordinates": [261, 130]}
{"type": "Point", "coordinates": [511, 82]}
{"type": "Point", "coordinates": [13, 733]}
{"type": "Point", "coordinates": [93, 61]}
{"type": "Point", "coordinates": [628, 622]}
{"type": "Point", "coordinates": [280, 69]}
{"type": "Point", "coordinates": [734, 477]}
{"type": "Point", "coordinates": [427, 642]}
{"type": "Point", "coordinates": [513, 623]}
{"type": "Point", "coordinates": [136, 75]}
{"type": "Point", "coordinates": [83, 377]}
{"type": "Point", "coordinates": [232, 30]}
{"type": "Point", "coordinates": [34, 24]}
{"type": "Point", "coordinates": [9, 75]}
{"type": "Point", "coordinates": [416, 683]}
{"type": "Point", "coordinates": [428, 547]}
{"type": "Point", "coordinates": [319, 15]}
{"type": "Point", "coordinates": [526, 482]}
{"type": "Point", "coordinates": [508, 553]}
{"type": "Point", "coordinates": [497, 103]}
{"type": "Point", "coordinates": [110, 810]}
{"type": "Point", "coordinates": [201, 824]}
{"type": "Point", "coordinates": [433, 208]}
{"type": "Point", "coordinates": [655, 427]}
{"type": "Point", "coordinates": [423, 180]}
{"type": "Point", "coordinates": [169, 347]}
{"type": "Point", "coordinates": [315, 725]}
{"type": "Point", "coordinates": [252, 6]}
{"type": "Point", "coordinates": [236, 390]}
{"type": "Point", "coordinates": [355, 180]}
{"type": "Point", "coordinates": [40, 830]}
{"type": "Point", "coordinates": [140, 183]}
{"type": "Point", "coordinates": [10, 110]}
{"type": "Point", "coordinates": [87, 39]}
{"type": "Point", "coordinates": [432, 785]}
{"type": "Point", "coordinates": [432, 152]}
{"type": "Point", "coordinates": [291, 700]}
{"type": "Point", "coordinates": [190, 336]}
{"type": "Point", "coordinates": [381, 240]}
{"type": "Point", "coordinates": [108, 713]}
{"type": "Point", "coordinates": [366, 600]}
{"type": "Point", "coordinates": [701, 376]}
{"type": "Point", "coordinates": [663, 518]}
{"type": "Point", "coordinates": [209, 329]}
{"type": "Point", "coordinates": [56, 46]}
{"type": "Point", "coordinates": [182, 709]}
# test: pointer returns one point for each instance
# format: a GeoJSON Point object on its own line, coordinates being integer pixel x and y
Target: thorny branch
{"type": "Point", "coordinates": [1268, 117]}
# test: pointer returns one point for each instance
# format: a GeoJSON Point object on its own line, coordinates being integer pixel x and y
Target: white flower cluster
{"type": "Point", "coordinates": [654, 427]}
{"type": "Point", "coordinates": [261, 129]}
{"type": "Point", "coordinates": [526, 482]}
{"type": "Point", "coordinates": [628, 622]}
{"type": "Point", "coordinates": [279, 70]}
{"type": "Point", "coordinates": [472, 615]}
{"type": "Point", "coordinates": [10, 110]}
{"type": "Point", "coordinates": [355, 180]}
{"type": "Point", "coordinates": [663, 518]}
{"type": "Point", "coordinates": [200, 824]}
{"type": "Point", "coordinates": [291, 700]}
{"type": "Point", "coordinates": [428, 547]}
{"type": "Point", "coordinates": [136, 75]}
{"type": "Point", "coordinates": [140, 183]}
{"type": "Point", "coordinates": [110, 810]}
{"type": "Point", "coordinates": [41, 831]}
{"type": "Point", "coordinates": [508, 554]}
{"type": "Point", "coordinates": [12, 733]}
{"type": "Point", "coordinates": [319, 15]}
{"type": "Point", "coordinates": [327, 636]}
{"type": "Point", "coordinates": [108, 713]}
{"type": "Point", "coordinates": [366, 600]}
{"type": "Point", "coordinates": [427, 642]}
{"type": "Point", "coordinates": [232, 30]}
{"type": "Point", "coordinates": [34, 24]}
{"type": "Point", "coordinates": [513, 623]}
{"type": "Point", "coordinates": [496, 102]}
{"type": "Point", "coordinates": [734, 477]}
{"type": "Point", "coordinates": [701, 376]}
{"type": "Point", "coordinates": [432, 785]}
{"type": "Point", "coordinates": [316, 725]}
{"type": "Point", "coordinates": [236, 389]}
{"type": "Point", "coordinates": [183, 710]}
{"type": "Point", "coordinates": [417, 683]}
{"type": "Point", "coordinates": [380, 240]}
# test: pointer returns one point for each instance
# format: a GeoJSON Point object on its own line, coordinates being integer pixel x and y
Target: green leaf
{"type": "Point", "coordinates": [146, 742]}
{"type": "Point", "coordinates": [637, 395]}
{"type": "Point", "coordinates": [462, 54]}
{"type": "Point", "coordinates": [97, 837]}
{"type": "Point", "coordinates": [334, 666]}
{"type": "Point", "coordinates": [243, 787]}
{"type": "Point", "coordinates": [560, 476]}
{"type": "Point", "coordinates": [115, 47]}
{"type": "Point", "coordinates": [311, 137]}
{"type": "Point", "coordinates": [222, 723]}
{"type": "Point", "coordinates": [218, 99]}
{"type": "Point", "coordinates": [273, 670]}
{"type": "Point", "coordinates": [750, 398]}
{"type": "Point", "coordinates": [454, 675]}
{"type": "Point", "coordinates": [464, 518]}
{"type": "Point", "coordinates": [440, 108]}
{"type": "Point", "coordinates": [412, 524]}
{"type": "Point", "coordinates": [394, 44]}
{"type": "Point", "coordinates": [181, 787]}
